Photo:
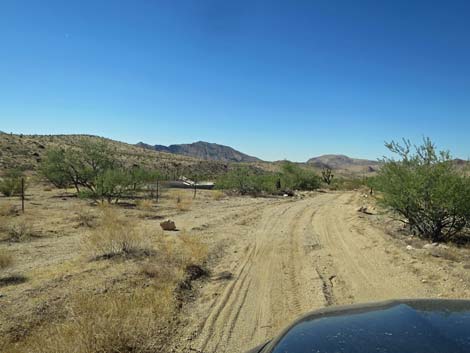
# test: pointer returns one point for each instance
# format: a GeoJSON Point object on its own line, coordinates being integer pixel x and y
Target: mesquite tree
{"type": "Point", "coordinates": [426, 190]}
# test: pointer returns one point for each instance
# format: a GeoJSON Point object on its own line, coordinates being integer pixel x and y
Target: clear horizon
{"type": "Point", "coordinates": [275, 80]}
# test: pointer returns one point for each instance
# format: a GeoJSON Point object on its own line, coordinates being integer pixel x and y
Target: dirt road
{"type": "Point", "coordinates": [292, 257]}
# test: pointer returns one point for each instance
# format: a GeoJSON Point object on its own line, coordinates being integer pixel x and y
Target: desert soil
{"type": "Point", "coordinates": [271, 260]}
{"type": "Point", "coordinates": [282, 258]}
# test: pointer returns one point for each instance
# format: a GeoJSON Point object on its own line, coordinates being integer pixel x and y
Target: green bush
{"type": "Point", "coordinates": [10, 183]}
{"type": "Point", "coordinates": [294, 177]}
{"type": "Point", "coordinates": [246, 181]}
{"type": "Point", "coordinates": [95, 172]}
{"type": "Point", "coordinates": [253, 182]}
{"type": "Point", "coordinates": [352, 183]}
{"type": "Point", "coordinates": [79, 166]}
{"type": "Point", "coordinates": [426, 190]}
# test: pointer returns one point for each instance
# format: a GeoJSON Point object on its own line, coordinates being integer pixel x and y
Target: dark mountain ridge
{"type": "Point", "coordinates": [204, 150]}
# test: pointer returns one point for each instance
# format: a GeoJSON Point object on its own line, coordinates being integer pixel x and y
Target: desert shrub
{"type": "Point", "coordinates": [193, 251]}
{"type": "Point", "coordinates": [145, 205]}
{"type": "Point", "coordinates": [17, 229]}
{"type": "Point", "coordinates": [85, 216]}
{"type": "Point", "coordinates": [116, 236]}
{"type": "Point", "coordinates": [7, 209]}
{"type": "Point", "coordinates": [56, 168]}
{"type": "Point", "coordinates": [173, 258]}
{"type": "Point", "coordinates": [113, 322]}
{"type": "Point", "coordinates": [217, 195]}
{"type": "Point", "coordinates": [247, 181]}
{"type": "Point", "coordinates": [183, 201]}
{"type": "Point", "coordinates": [6, 259]}
{"type": "Point", "coordinates": [10, 183]}
{"type": "Point", "coordinates": [352, 183]}
{"type": "Point", "coordinates": [426, 190]}
{"type": "Point", "coordinates": [95, 171]}
{"type": "Point", "coordinates": [294, 177]}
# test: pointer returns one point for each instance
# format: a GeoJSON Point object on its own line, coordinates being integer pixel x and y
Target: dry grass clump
{"type": "Point", "coordinates": [444, 253]}
{"type": "Point", "coordinates": [192, 250]}
{"type": "Point", "coordinates": [218, 195]}
{"type": "Point", "coordinates": [116, 236]}
{"type": "Point", "coordinates": [85, 217]}
{"type": "Point", "coordinates": [145, 205]}
{"type": "Point", "coordinates": [174, 257]}
{"type": "Point", "coordinates": [6, 259]}
{"type": "Point", "coordinates": [7, 209]}
{"type": "Point", "coordinates": [113, 322]}
{"type": "Point", "coordinates": [183, 201]}
{"type": "Point", "coordinates": [17, 229]}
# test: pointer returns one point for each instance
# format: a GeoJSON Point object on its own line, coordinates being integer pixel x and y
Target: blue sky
{"type": "Point", "coordinates": [275, 79]}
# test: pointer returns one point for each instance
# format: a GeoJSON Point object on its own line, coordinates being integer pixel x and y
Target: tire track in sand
{"type": "Point", "coordinates": [275, 283]}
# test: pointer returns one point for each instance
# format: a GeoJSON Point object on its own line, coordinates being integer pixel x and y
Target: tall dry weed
{"type": "Point", "coordinates": [17, 229]}
{"type": "Point", "coordinates": [6, 259]}
{"type": "Point", "coordinates": [183, 201]}
{"type": "Point", "coordinates": [117, 236]}
{"type": "Point", "coordinates": [114, 322]}
{"type": "Point", "coordinates": [145, 205]}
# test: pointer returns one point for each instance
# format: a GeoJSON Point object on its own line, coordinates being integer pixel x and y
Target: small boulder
{"type": "Point", "coordinates": [224, 275]}
{"type": "Point", "coordinates": [168, 225]}
{"type": "Point", "coordinates": [430, 246]}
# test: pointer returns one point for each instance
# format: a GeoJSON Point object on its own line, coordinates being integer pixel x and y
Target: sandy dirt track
{"type": "Point", "coordinates": [290, 257]}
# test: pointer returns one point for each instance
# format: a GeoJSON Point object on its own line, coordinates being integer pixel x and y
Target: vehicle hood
{"type": "Point", "coordinates": [408, 326]}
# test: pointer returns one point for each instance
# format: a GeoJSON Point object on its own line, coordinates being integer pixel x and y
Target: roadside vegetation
{"type": "Point", "coordinates": [140, 275]}
{"type": "Point", "coordinates": [144, 275]}
{"type": "Point", "coordinates": [10, 183]}
{"type": "Point", "coordinates": [426, 191]}
{"type": "Point", "coordinates": [95, 172]}
{"type": "Point", "coordinates": [247, 181]}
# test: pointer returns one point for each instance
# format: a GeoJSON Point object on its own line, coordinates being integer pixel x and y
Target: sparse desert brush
{"type": "Point", "coordinates": [114, 322]}
{"type": "Point", "coordinates": [174, 260]}
{"type": "Point", "coordinates": [85, 216]}
{"type": "Point", "coordinates": [18, 229]}
{"type": "Point", "coordinates": [183, 250]}
{"type": "Point", "coordinates": [218, 195]}
{"type": "Point", "coordinates": [145, 205]}
{"type": "Point", "coordinates": [6, 259]}
{"type": "Point", "coordinates": [163, 269]}
{"type": "Point", "coordinates": [117, 236]}
{"type": "Point", "coordinates": [10, 183]}
{"type": "Point", "coordinates": [183, 201]}
{"type": "Point", "coordinates": [7, 209]}
{"type": "Point", "coordinates": [193, 249]}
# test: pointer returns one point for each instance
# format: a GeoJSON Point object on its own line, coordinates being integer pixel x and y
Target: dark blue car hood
{"type": "Point", "coordinates": [410, 326]}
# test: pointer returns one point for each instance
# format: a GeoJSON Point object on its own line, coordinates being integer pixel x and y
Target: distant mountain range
{"type": "Point", "coordinates": [339, 161]}
{"type": "Point", "coordinates": [204, 150]}
{"type": "Point", "coordinates": [216, 152]}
